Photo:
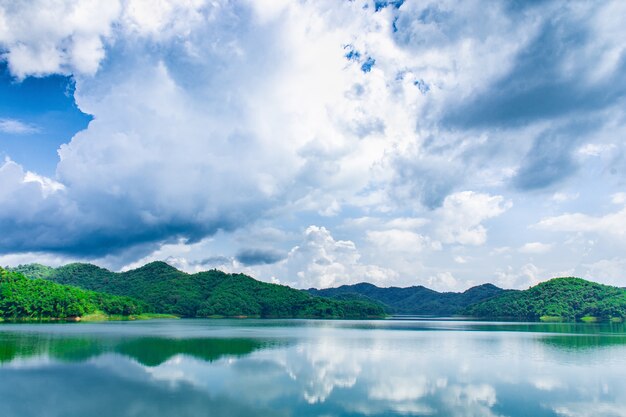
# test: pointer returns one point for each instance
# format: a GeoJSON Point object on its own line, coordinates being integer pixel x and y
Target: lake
{"type": "Point", "coordinates": [409, 367]}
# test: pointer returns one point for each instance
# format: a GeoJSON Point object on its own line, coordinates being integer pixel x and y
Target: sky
{"type": "Point", "coordinates": [317, 143]}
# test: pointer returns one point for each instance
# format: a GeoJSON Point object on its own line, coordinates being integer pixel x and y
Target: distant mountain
{"type": "Point", "coordinates": [24, 298]}
{"type": "Point", "coordinates": [413, 300]}
{"type": "Point", "coordinates": [557, 299]}
{"type": "Point", "coordinates": [165, 289]}
{"type": "Point", "coordinates": [161, 288]}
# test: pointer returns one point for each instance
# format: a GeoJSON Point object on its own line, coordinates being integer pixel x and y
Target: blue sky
{"type": "Point", "coordinates": [38, 115]}
{"type": "Point", "coordinates": [317, 143]}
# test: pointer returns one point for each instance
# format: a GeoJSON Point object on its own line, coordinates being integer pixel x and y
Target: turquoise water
{"type": "Point", "coordinates": [312, 368]}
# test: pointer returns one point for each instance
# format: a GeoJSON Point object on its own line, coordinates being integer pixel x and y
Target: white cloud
{"type": "Point", "coordinates": [17, 127]}
{"type": "Point", "coordinates": [611, 224]}
{"type": "Point", "coordinates": [321, 261]}
{"type": "Point", "coordinates": [443, 281]}
{"type": "Point", "coordinates": [14, 259]}
{"type": "Point", "coordinates": [43, 38]}
{"type": "Point", "coordinates": [618, 198]}
{"type": "Point", "coordinates": [520, 278]}
{"type": "Point", "coordinates": [595, 149]}
{"type": "Point", "coordinates": [561, 197]}
{"type": "Point", "coordinates": [462, 213]}
{"type": "Point", "coordinates": [401, 241]}
{"type": "Point", "coordinates": [607, 271]}
{"type": "Point", "coordinates": [460, 259]}
{"type": "Point", "coordinates": [535, 248]}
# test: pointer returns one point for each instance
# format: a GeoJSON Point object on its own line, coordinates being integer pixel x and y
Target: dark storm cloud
{"type": "Point", "coordinates": [537, 87]}
{"type": "Point", "coordinates": [427, 181]}
{"type": "Point", "coordinates": [548, 162]}
{"type": "Point", "coordinates": [551, 159]}
{"type": "Point", "coordinates": [250, 257]}
{"type": "Point", "coordinates": [212, 260]}
{"type": "Point", "coordinates": [93, 223]}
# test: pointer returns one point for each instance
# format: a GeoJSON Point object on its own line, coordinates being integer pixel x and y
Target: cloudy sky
{"type": "Point", "coordinates": [317, 143]}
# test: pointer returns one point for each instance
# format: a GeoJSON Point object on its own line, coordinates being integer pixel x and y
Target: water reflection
{"type": "Point", "coordinates": [302, 368]}
{"type": "Point", "coordinates": [148, 351]}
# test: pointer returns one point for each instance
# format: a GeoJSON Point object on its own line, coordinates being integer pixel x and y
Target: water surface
{"type": "Point", "coordinates": [411, 367]}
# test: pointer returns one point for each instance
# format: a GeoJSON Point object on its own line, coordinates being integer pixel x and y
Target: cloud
{"type": "Point", "coordinates": [40, 39]}
{"type": "Point", "coordinates": [211, 118]}
{"type": "Point", "coordinates": [561, 197]}
{"type": "Point", "coordinates": [250, 257]}
{"type": "Point", "coordinates": [608, 271]}
{"type": "Point", "coordinates": [618, 198]}
{"type": "Point", "coordinates": [461, 216]}
{"type": "Point", "coordinates": [162, 129]}
{"type": "Point", "coordinates": [401, 241]}
{"type": "Point", "coordinates": [548, 162]}
{"type": "Point", "coordinates": [443, 281]}
{"type": "Point", "coordinates": [548, 81]}
{"type": "Point", "coordinates": [610, 224]}
{"type": "Point", "coordinates": [321, 261]}
{"type": "Point", "coordinates": [34, 213]}
{"type": "Point", "coordinates": [535, 248]}
{"type": "Point", "coordinates": [425, 179]}
{"type": "Point", "coordinates": [524, 277]}
{"type": "Point", "coordinates": [16, 127]}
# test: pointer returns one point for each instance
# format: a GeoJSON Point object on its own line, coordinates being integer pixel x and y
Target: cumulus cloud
{"type": "Point", "coordinates": [34, 212]}
{"type": "Point", "coordinates": [41, 38]}
{"type": "Point", "coordinates": [462, 214]}
{"type": "Point", "coordinates": [321, 261]}
{"type": "Point", "coordinates": [526, 276]}
{"type": "Point", "coordinates": [212, 116]}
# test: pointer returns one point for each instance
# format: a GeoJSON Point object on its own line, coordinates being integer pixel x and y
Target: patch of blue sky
{"type": "Point", "coordinates": [367, 65]}
{"type": "Point", "coordinates": [422, 86]}
{"type": "Point", "coordinates": [381, 4]}
{"type": "Point", "coordinates": [47, 112]}
{"type": "Point", "coordinates": [353, 55]}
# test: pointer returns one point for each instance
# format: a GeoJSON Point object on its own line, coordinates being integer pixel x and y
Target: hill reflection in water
{"type": "Point", "coordinates": [312, 368]}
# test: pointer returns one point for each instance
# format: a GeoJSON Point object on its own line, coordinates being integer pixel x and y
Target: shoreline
{"type": "Point", "coordinates": [95, 318]}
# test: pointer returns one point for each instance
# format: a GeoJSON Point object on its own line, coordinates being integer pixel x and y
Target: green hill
{"type": "Point", "coordinates": [165, 289]}
{"type": "Point", "coordinates": [417, 300]}
{"type": "Point", "coordinates": [557, 299]}
{"type": "Point", "coordinates": [24, 298]}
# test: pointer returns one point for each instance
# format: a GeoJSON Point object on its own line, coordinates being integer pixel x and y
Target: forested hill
{"type": "Point", "coordinates": [557, 299]}
{"type": "Point", "coordinates": [24, 298]}
{"type": "Point", "coordinates": [165, 289]}
{"type": "Point", "coordinates": [413, 300]}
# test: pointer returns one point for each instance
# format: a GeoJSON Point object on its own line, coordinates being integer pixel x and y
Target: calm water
{"type": "Point", "coordinates": [312, 368]}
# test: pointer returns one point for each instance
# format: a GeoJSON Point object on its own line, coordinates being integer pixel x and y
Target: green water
{"type": "Point", "coordinates": [312, 368]}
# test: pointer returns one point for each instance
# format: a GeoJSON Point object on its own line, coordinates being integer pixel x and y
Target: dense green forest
{"type": "Point", "coordinates": [165, 289]}
{"type": "Point", "coordinates": [161, 288]}
{"type": "Point", "coordinates": [412, 300]}
{"type": "Point", "coordinates": [24, 298]}
{"type": "Point", "coordinates": [558, 299]}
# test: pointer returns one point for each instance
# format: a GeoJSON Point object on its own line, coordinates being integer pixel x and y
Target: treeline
{"type": "Point", "coordinates": [165, 289]}
{"type": "Point", "coordinates": [24, 298]}
{"type": "Point", "coordinates": [559, 298]}
{"type": "Point", "coordinates": [161, 288]}
{"type": "Point", "coordinates": [416, 300]}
